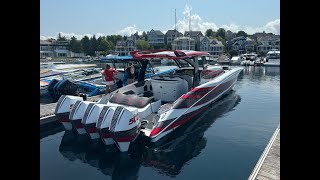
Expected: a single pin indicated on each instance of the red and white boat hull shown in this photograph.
(191, 104)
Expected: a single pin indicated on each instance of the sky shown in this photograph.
(125, 17)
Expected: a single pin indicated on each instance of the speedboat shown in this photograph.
(273, 58)
(156, 106)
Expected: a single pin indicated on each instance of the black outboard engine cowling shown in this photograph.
(52, 83)
(65, 87)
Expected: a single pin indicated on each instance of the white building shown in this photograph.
(183, 43)
(54, 49)
(46, 49)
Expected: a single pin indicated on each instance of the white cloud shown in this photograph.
(273, 26)
(128, 31)
(69, 35)
(197, 24)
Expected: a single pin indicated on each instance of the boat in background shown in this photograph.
(153, 107)
(235, 60)
(248, 59)
(272, 58)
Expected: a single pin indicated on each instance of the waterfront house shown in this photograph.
(123, 48)
(196, 36)
(46, 50)
(183, 43)
(242, 44)
(212, 46)
(266, 43)
(171, 35)
(54, 49)
(155, 37)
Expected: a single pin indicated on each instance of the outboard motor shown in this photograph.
(90, 119)
(103, 124)
(125, 126)
(52, 83)
(63, 108)
(77, 113)
(66, 87)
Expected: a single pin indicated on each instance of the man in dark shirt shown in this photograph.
(131, 74)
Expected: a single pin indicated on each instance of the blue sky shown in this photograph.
(105, 17)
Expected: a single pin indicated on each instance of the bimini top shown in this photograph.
(116, 57)
(176, 54)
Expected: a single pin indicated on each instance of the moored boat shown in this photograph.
(157, 106)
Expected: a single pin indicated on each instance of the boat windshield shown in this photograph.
(274, 56)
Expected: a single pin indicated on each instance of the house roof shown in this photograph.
(42, 42)
(215, 42)
(159, 33)
(193, 33)
(170, 32)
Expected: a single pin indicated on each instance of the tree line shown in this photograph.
(106, 44)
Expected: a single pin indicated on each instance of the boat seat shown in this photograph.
(131, 100)
(168, 89)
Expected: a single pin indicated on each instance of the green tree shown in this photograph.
(210, 33)
(233, 53)
(93, 45)
(242, 33)
(86, 45)
(61, 38)
(222, 33)
(104, 44)
(142, 45)
(50, 39)
(114, 38)
(125, 38)
(75, 45)
(144, 34)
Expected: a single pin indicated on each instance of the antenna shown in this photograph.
(189, 27)
(175, 19)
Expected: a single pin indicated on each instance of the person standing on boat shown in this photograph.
(108, 74)
(131, 73)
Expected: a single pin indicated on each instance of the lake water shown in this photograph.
(225, 143)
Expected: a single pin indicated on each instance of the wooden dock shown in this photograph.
(268, 166)
(47, 110)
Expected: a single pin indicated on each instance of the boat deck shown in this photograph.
(268, 166)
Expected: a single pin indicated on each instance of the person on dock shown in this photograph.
(108, 74)
(131, 73)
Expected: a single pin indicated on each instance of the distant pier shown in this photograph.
(47, 110)
(268, 166)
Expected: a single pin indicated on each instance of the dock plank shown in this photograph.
(268, 166)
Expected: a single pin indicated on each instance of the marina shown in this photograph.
(176, 91)
(239, 149)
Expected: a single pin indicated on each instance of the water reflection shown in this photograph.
(167, 158)
(260, 71)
